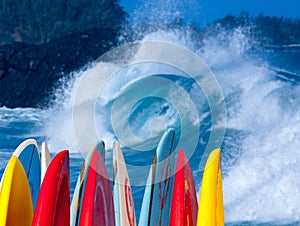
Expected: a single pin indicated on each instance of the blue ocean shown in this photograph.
(260, 149)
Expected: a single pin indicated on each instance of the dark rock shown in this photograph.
(29, 73)
(2, 72)
(33, 64)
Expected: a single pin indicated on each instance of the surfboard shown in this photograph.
(78, 194)
(144, 218)
(29, 155)
(157, 199)
(123, 201)
(211, 208)
(53, 204)
(45, 160)
(97, 203)
(184, 201)
(15, 198)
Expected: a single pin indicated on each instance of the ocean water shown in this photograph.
(260, 156)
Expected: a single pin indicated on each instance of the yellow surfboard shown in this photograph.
(211, 208)
(15, 198)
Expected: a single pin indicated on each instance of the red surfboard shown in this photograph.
(97, 205)
(53, 205)
(184, 201)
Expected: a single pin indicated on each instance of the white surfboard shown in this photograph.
(45, 160)
(123, 200)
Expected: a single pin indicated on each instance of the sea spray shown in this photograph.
(260, 157)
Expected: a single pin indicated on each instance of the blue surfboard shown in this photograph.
(29, 155)
(157, 199)
(81, 183)
(148, 194)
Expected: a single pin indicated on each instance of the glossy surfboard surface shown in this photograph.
(144, 218)
(184, 201)
(211, 208)
(15, 198)
(29, 155)
(53, 205)
(157, 199)
(123, 200)
(78, 194)
(97, 204)
(45, 160)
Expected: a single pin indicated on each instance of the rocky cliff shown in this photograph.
(29, 73)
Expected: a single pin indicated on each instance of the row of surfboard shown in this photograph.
(35, 190)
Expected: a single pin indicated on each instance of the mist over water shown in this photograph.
(260, 157)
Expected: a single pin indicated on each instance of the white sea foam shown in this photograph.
(262, 184)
